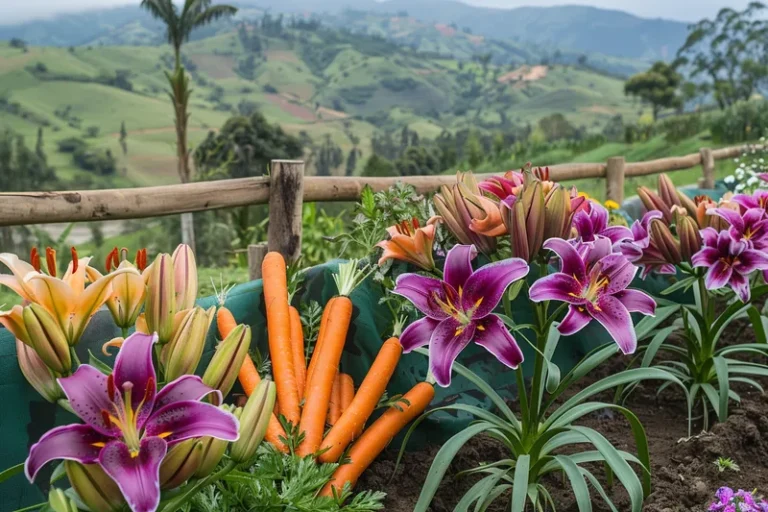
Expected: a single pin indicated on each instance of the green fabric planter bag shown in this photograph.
(27, 416)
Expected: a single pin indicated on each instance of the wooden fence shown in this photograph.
(287, 188)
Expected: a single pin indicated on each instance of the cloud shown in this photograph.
(22, 10)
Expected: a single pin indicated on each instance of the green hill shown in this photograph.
(316, 82)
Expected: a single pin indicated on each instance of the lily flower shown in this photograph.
(750, 227)
(459, 309)
(594, 281)
(758, 199)
(185, 277)
(730, 262)
(128, 289)
(457, 205)
(703, 205)
(593, 222)
(129, 426)
(642, 251)
(504, 186)
(411, 243)
(67, 299)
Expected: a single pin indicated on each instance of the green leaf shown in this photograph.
(98, 364)
(520, 485)
(599, 488)
(578, 483)
(442, 460)
(684, 283)
(645, 327)
(12, 471)
(757, 324)
(721, 369)
(755, 348)
(484, 387)
(476, 493)
(713, 397)
(616, 462)
(586, 365)
(653, 347)
(58, 473)
(553, 371)
(750, 382)
(743, 369)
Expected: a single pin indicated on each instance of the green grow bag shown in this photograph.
(27, 416)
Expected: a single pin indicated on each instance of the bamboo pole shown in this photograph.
(614, 179)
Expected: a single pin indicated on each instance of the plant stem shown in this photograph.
(538, 371)
(179, 501)
(125, 332)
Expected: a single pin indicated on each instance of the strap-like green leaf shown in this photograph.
(520, 486)
(757, 324)
(645, 327)
(750, 382)
(721, 369)
(443, 459)
(578, 483)
(553, 371)
(599, 488)
(12, 471)
(591, 361)
(98, 364)
(684, 283)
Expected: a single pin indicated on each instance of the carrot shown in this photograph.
(318, 395)
(353, 419)
(249, 378)
(279, 334)
(318, 344)
(347, 391)
(297, 346)
(378, 435)
(334, 408)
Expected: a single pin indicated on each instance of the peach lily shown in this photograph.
(411, 243)
(128, 291)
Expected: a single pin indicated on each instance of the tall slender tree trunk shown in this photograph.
(182, 151)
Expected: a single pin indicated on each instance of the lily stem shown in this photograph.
(125, 332)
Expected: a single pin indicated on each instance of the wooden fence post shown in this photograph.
(707, 168)
(614, 179)
(256, 253)
(286, 198)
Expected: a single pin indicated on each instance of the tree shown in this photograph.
(352, 161)
(39, 145)
(244, 147)
(556, 127)
(657, 87)
(329, 157)
(730, 53)
(473, 150)
(418, 161)
(179, 24)
(377, 166)
(123, 138)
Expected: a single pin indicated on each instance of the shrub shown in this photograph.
(70, 144)
(97, 161)
(745, 121)
(679, 128)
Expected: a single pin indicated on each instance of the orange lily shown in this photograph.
(411, 243)
(128, 290)
(67, 299)
(13, 320)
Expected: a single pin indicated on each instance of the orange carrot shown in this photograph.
(225, 322)
(378, 435)
(318, 344)
(248, 376)
(279, 334)
(297, 346)
(334, 408)
(347, 391)
(321, 380)
(353, 419)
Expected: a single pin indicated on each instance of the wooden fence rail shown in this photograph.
(287, 188)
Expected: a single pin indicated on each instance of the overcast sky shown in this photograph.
(12, 11)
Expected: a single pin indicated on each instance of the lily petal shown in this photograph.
(448, 340)
(186, 387)
(17, 282)
(184, 420)
(562, 287)
(718, 275)
(617, 233)
(637, 302)
(72, 442)
(612, 314)
(751, 260)
(137, 475)
(706, 257)
(55, 296)
(740, 285)
(87, 393)
(492, 335)
(458, 265)
(134, 364)
(575, 320)
(571, 263)
(422, 291)
(418, 334)
(620, 272)
(90, 300)
(485, 288)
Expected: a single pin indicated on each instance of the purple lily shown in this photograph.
(593, 222)
(758, 199)
(730, 262)
(129, 426)
(750, 227)
(641, 251)
(459, 308)
(594, 281)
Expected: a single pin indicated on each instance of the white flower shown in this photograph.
(739, 187)
(739, 173)
(752, 181)
(729, 179)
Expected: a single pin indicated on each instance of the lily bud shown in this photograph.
(127, 298)
(652, 201)
(254, 421)
(668, 246)
(690, 238)
(186, 346)
(668, 191)
(457, 206)
(213, 449)
(227, 360)
(47, 338)
(525, 221)
(60, 502)
(180, 463)
(185, 277)
(37, 373)
(13, 320)
(94, 486)
(161, 304)
(558, 215)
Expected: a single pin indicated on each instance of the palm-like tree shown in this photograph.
(179, 24)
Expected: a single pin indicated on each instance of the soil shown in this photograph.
(684, 476)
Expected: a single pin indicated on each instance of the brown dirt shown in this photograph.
(293, 109)
(524, 74)
(281, 56)
(684, 476)
(445, 30)
(327, 113)
(215, 66)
